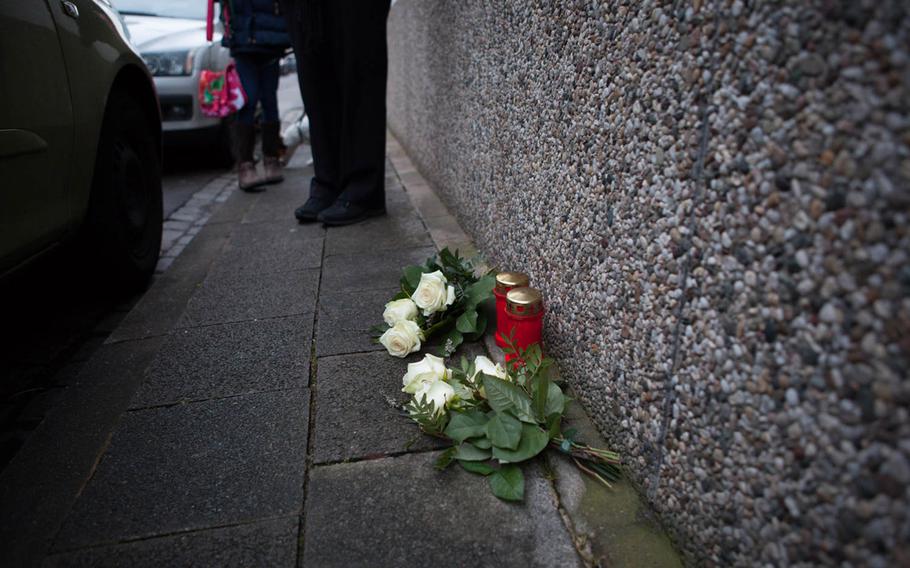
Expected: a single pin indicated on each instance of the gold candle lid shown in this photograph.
(505, 281)
(524, 301)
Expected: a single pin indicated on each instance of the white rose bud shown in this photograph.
(429, 370)
(484, 365)
(402, 338)
(439, 393)
(399, 310)
(432, 295)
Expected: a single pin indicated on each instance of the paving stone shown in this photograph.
(345, 319)
(278, 202)
(195, 466)
(355, 416)
(370, 270)
(265, 543)
(224, 298)
(39, 486)
(163, 304)
(403, 512)
(382, 233)
(283, 235)
(262, 259)
(230, 359)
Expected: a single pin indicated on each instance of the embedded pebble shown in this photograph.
(566, 138)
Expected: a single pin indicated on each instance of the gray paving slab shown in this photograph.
(403, 512)
(370, 270)
(229, 359)
(194, 466)
(39, 486)
(161, 307)
(382, 233)
(265, 543)
(285, 234)
(282, 257)
(233, 209)
(355, 416)
(345, 319)
(226, 298)
(278, 202)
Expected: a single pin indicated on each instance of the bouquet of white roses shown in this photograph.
(441, 296)
(498, 418)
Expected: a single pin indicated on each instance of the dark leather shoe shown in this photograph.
(344, 212)
(309, 211)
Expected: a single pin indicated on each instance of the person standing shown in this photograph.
(257, 35)
(342, 63)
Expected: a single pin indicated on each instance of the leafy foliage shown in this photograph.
(498, 422)
(464, 318)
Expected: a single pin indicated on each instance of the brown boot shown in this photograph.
(244, 139)
(271, 141)
(272, 167)
(248, 178)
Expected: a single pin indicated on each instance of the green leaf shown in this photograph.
(482, 443)
(508, 483)
(445, 458)
(467, 452)
(479, 291)
(533, 441)
(541, 391)
(479, 468)
(464, 425)
(504, 431)
(467, 322)
(556, 401)
(412, 276)
(503, 395)
(401, 296)
(554, 421)
(479, 328)
(450, 342)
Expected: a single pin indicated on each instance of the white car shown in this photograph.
(170, 36)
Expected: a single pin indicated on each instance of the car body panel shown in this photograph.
(92, 65)
(59, 97)
(36, 131)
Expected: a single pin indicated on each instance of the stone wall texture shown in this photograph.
(714, 198)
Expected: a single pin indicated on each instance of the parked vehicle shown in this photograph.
(80, 140)
(170, 35)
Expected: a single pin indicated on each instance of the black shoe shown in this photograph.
(344, 212)
(309, 211)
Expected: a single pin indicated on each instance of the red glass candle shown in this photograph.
(505, 281)
(524, 310)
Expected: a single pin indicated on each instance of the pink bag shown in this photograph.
(220, 92)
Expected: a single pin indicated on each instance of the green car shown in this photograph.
(80, 140)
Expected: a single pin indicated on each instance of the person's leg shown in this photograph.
(244, 132)
(269, 73)
(319, 89)
(361, 61)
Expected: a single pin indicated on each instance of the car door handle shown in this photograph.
(70, 9)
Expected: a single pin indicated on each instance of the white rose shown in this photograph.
(402, 338)
(429, 370)
(484, 365)
(399, 310)
(439, 393)
(432, 295)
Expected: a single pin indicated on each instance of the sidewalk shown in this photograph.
(240, 415)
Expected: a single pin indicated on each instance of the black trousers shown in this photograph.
(342, 64)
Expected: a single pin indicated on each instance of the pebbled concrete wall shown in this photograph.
(714, 197)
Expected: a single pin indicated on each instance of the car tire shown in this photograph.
(124, 219)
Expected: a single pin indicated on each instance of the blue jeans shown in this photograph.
(259, 75)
